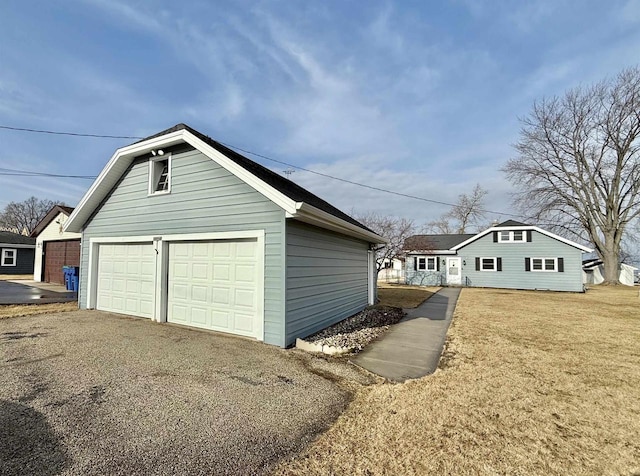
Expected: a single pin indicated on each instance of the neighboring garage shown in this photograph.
(55, 247)
(181, 229)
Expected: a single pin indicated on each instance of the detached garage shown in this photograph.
(179, 228)
(55, 247)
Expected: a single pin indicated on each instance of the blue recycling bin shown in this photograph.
(67, 270)
(71, 277)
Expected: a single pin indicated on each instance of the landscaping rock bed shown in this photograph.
(354, 333)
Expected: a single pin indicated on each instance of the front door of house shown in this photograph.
(454, 273)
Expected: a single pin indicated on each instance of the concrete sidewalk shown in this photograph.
(412, 348)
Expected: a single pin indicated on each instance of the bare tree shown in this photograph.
(22, 217)
(578, 165)
(468, 211)
(394, 229)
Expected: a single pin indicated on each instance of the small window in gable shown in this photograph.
(159, 175)
(8, 257)
(515, 236)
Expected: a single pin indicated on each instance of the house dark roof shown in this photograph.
(51, 214)
(283, 185)
(511, 223)
(9, 238)
(434, 242)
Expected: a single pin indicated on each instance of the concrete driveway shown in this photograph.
(89, 392)
(30, 292)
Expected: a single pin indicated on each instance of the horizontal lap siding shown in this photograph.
(326, 278)
(513, 274)
(204, 198)
(423, 277)
(24, 261)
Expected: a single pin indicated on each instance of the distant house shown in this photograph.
(55, 247)
(593, 272)
(509, 255)
(392, 270)
(16, 253)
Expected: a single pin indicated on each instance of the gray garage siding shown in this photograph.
(204, 198)
(326, 278)
(513, 274)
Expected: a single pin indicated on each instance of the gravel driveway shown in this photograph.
(90, 392)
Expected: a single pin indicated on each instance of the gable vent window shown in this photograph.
(516, 236)
(159, 175)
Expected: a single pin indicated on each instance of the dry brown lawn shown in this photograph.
(20, 310)
(15, 277)
(396, 295)
(531, 383)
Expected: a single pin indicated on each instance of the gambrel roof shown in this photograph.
(296, 201)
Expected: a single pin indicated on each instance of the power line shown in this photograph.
(76, 134)
(27, 173)
(351, 182)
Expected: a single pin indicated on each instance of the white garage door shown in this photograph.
(126, 278)
(214, 285)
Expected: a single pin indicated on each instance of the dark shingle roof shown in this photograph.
(434, 242)
(511, 223)
(7, 237)
(51, 214)
(283, 185)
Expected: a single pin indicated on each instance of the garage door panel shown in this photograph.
(222, 294)
(126, 278)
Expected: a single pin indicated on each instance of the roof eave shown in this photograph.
(314, 216)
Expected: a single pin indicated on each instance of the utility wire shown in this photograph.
(351, 182)
(39, 131)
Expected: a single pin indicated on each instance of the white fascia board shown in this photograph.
(15, 245)
(277, 197)
(314, 216)
(110, 175)
(523, 228)
(430, 252)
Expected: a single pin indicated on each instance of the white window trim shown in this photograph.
(5, 251)
(495, 263)
(555, 265)
(152, 161)
(511, 235)
(426, 263)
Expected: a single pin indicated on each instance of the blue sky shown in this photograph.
(417, 97)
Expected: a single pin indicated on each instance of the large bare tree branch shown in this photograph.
(578, 164)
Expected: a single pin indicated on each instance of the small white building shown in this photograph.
(392, 270)
(55, 248)
(593, 272)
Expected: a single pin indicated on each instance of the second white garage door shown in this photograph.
(214, 285)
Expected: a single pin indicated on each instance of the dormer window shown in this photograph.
(515, 236)
(160, 175)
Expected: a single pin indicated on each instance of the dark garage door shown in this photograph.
(58, 254)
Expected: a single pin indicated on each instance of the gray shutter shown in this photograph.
(499, 264)
(527, 264)
(477, 264)
(437, 263)
(495, 236)
(415, 263)
(529, 236)
(560, 265)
